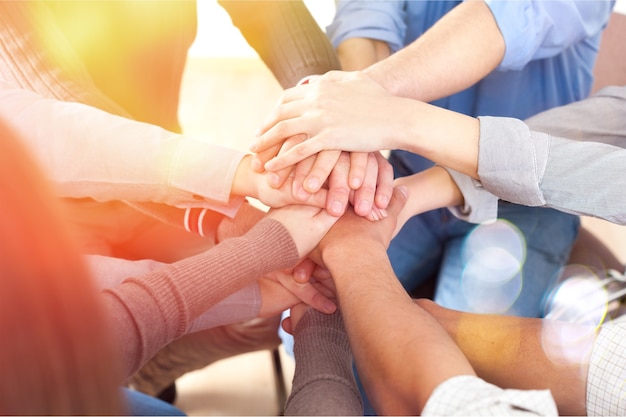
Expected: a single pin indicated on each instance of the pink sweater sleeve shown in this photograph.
(152, 310)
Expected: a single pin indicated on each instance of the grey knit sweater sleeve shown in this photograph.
(323, 382)
(152, 310)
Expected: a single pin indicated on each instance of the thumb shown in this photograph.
(398, 199)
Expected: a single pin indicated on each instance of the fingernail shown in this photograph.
(273, 179)
(300, 275)
(253, 147)
(329, 306)
(336, 207)
(355, 183)
(403, 190)
(383, 213)
(364, 206)
(269, 166)
(313, 184)
(383, 200)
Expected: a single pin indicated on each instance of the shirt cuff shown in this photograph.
(512, 160)
(206, 171)
(479, 206)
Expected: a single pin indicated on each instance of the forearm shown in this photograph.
(460, 49)
(359, 53)
(523, 353)
(151, 310)
(445, 137)
(383, 322)
(324, 382)
(428, 190)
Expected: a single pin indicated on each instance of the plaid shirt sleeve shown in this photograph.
(471, 396)
(606, 381)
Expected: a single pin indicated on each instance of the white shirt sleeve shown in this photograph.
(87, 152)
(471, 396)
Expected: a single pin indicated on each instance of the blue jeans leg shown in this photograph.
(140, 404)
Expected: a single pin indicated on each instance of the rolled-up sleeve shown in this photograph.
(537, 169)
(479, 205)
(511, 160)
(542, 29)
(380, 20)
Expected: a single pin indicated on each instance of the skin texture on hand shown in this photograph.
(250, 183)
(351, 112)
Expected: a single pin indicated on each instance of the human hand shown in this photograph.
(369, 190)
(363, 179)
(351, 228)
(279, 291)
(337, 111)
(306, 225)
(263, 186)
(295, 314)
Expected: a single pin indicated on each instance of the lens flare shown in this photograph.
(493, 256)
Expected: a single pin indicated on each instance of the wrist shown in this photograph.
(336, 252)
(244, 180)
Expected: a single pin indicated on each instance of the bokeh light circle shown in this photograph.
(493, 256)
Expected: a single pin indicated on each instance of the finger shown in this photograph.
(273, 129)
(384, 184)
(277, 178)
(301, 170)
(259, 159)
(398, 199)
(358, 165)
(325, 286)
(318, 174)
(321, 273)
(304, 270)
(287, 325)
(308, 294)
(338, 190)
(364, 195)
(312, 146)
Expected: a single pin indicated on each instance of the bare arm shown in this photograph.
(460, 49)
(524, 353)
(359, 53)
(383, 322)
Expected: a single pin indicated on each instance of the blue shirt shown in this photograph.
(551, 48)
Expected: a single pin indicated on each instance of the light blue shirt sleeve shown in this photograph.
(543, 29)
(380, 20)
